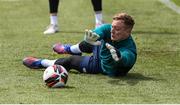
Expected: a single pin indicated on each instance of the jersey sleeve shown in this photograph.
(103, 31)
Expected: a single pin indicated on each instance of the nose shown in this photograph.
(112, 30)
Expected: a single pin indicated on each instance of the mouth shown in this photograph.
(112, 35)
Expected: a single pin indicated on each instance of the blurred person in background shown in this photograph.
(53, 7)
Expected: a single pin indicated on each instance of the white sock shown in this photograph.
(75, 48)
(47, 63)
(53, 20)
(98, 17)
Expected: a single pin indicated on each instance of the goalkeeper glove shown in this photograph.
(116, 55)
(91, 37)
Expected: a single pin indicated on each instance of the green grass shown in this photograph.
(177, 2)
(154, 79)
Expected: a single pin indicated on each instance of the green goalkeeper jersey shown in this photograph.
(126, 48)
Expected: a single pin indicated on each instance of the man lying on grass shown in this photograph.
(112, 47)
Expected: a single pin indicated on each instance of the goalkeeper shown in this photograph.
(112, 47)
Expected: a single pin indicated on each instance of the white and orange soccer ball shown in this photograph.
(55, 76)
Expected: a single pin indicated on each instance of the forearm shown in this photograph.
(128, 58)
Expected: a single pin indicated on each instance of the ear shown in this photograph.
(128, 30)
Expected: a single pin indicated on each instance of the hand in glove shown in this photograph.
(116, 55)
(91, 37)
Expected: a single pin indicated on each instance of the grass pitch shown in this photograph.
(154, 78)
(177, 2)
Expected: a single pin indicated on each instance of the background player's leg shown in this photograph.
(97, 6)
(53, 10)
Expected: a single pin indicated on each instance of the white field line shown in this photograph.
(171, 5)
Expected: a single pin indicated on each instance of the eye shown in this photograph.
(116, 28)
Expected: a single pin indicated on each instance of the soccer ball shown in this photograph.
(55, 76)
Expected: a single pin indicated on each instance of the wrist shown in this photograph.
(118, 53)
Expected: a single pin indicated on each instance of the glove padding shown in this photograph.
(115, 54)
(91, 37)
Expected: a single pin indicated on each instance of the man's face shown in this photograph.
(119, 31)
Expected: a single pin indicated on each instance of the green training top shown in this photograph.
(127, 49)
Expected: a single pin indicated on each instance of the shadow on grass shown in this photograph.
(136, 32)
(155, 33)
(65, 87)
(71, 31)
(131, 79)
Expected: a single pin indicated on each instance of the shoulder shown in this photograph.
(103, 31)
(106, 26)
(103, 27)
